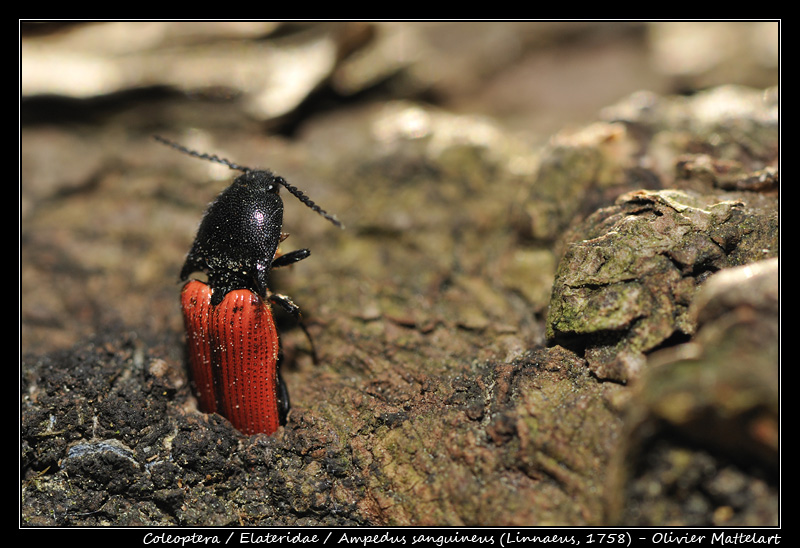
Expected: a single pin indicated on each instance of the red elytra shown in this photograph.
(233, 353)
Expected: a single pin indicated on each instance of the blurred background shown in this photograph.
(106, 215)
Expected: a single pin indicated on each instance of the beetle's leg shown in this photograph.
(283, 396)
(288, 306)
(290, 258)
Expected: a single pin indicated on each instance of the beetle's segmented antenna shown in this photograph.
(296, 192)
(201, 155)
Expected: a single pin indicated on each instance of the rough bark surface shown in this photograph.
(507, 333)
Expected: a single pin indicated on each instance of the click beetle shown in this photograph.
(232, 341)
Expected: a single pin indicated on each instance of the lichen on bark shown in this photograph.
(630, 271)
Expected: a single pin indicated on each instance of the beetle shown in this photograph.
(232, 340)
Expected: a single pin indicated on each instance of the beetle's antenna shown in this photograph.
(296, 192)
(307, 201)
(201, 155)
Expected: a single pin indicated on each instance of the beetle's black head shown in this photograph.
(241, 230)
